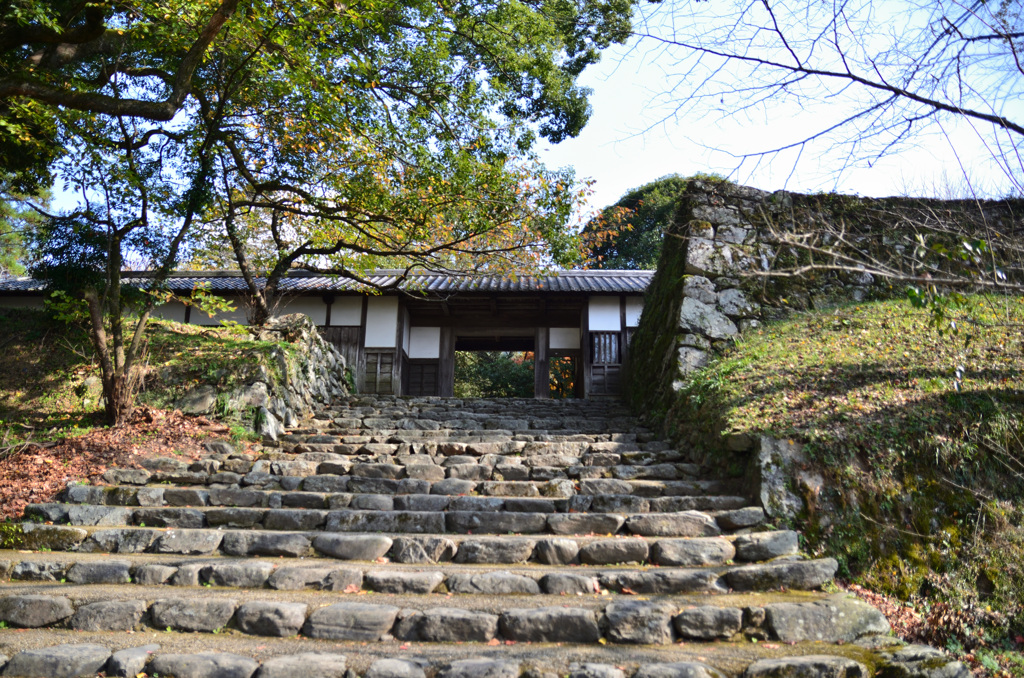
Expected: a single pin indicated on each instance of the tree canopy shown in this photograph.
(634, 225)
(320, 134)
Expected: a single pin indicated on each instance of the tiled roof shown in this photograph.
(586, 282)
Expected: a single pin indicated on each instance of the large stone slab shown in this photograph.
(640, 622)
(612, 551)
(351, 621)
(678, 670)
(153, 575)
(34, 611)
(124, 540)
(585, 523)
(53, 537)
(452, 625)
(271, 618)
(288, 544)
(568, 583)
(708, 622)
(557, 551)
(550, 625)
(61, 661)
(203, 665)
(803, 575)
(304, 665)
(100, 572)
(703, 319)
(244, 574)
(109, 615)
(683, 524)
(492, 583)
(697, 552)
(494, 522)
(182, 518)
(838, 619)
(408, 522)
(192, 614)
(396, 668)
(590, 670)
(352, 547)
(809, 666)
(189, 542)
(294, 578)
(766, 545)
(494, 550)
(130, 662)
(481, 668)
(235, 517)
(400, 581)
(422, 549)
(664, 581)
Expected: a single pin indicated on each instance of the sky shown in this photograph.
(636, 135)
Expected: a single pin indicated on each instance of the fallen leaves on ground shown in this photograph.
(906, 623)
(35, 473)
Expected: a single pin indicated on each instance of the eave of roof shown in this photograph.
(302, 282)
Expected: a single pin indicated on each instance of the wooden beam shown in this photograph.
(541, 369)
(446, 364)
(585, 350)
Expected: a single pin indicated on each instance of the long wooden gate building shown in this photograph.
(403, 340)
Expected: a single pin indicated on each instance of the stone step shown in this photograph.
(428, 479)
(385, 494)
(333, 562)
(464, 515)
(374, 617)
(416, 549)
(389, 442)
(56, 654)
(414, 466)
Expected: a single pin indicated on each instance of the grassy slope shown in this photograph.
(926, 471)
(44, 367)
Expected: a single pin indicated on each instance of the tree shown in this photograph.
(872, 78)
(323, 135)
(17, 219)
(493, 374)
(635, 225)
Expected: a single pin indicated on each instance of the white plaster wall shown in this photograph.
(381, 322)
(634, 306)
(21, 302)
(314, 307)
(425, 343)
(238, 315)
(174, 310)
(564, 338)
(347, 311)
(604, 314)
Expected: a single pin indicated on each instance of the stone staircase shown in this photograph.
(430, 537)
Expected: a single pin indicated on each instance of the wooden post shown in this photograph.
(541, 371)
(446, 364)
(585, 347)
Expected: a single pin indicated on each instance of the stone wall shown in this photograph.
(296, 378)
(728, 264)
(747, 255)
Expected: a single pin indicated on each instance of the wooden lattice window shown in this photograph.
(378, 376)
(605, 349)
(422, 379)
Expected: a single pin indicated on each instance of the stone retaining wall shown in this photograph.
(288, 390)
(727, 265)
